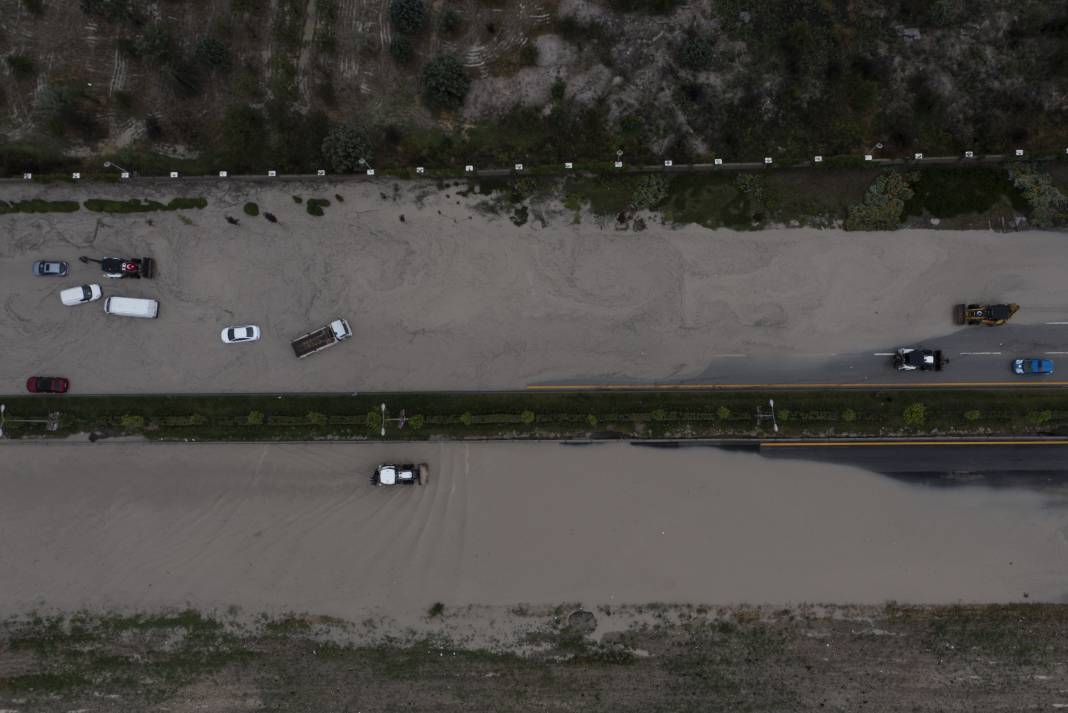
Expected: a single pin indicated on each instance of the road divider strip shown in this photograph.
(794, 386)
(893, 444)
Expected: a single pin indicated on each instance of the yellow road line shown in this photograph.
(772, 387)
(823, 444)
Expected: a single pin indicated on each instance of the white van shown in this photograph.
(132, 307)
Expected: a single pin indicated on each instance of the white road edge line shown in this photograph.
(727, 356)
(883, 354)
(980, 353)
(1056, 322)
(1056, 352)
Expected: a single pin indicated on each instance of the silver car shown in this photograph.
(50, 268)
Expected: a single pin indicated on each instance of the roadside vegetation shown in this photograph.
(657, 657)
(606, 415)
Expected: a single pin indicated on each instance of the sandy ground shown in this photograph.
(292, 527)
(452, 298)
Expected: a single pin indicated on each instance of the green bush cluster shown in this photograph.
(37, 205)
(315, 206)
(251, 209)
(136, 205)
(444, 83)
(650, 192)
(344, 146)
(1049, 207)
(884, 203)
(915, 415)
(407, 16)
(696, 52)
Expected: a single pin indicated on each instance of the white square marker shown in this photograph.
(223, 174)
(818, 159)
(618, 164)
(867, 157)
(75, 175)
(320, 172)
(918, 156)
(767, 160)
(28, 176)
(568, 165)
(969, 154)
(469, 168)
(370, 172)
(272, 174)
(420, 170)
(1019, 152)
(519, 167)
(717, 161)
(668, 163)
(124, 174)
(174, 174)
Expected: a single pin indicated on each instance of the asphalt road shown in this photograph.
(976, 462)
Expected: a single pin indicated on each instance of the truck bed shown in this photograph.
(313, 341)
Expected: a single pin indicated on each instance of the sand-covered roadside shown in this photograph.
(292, 527)
(453, 298)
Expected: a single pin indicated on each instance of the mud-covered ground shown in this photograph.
(443, 296)
(675, 658)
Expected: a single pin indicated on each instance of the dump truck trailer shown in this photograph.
(321, 338)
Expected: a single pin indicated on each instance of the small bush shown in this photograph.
(198, 420)
(213, 53)
(659, 414)
(22, 66)
(915, 416)
(316, 205)
(401, 49)
(972, 415)
(696, 52)
(445, 83)
(317, 419)
(251, 209)
(650, 192)
(884, 203)
(1040, 417)
(784, 414)
(407, 16)
(1049, 207)
(417, 422)
(529, 54)
(131, 422)
(558, 89)
(254, 418)
(592, 420)
(450, 21)
(436, 610)
(466, 418)
(344, 146)
(374, 420)
(849, 415)
(526, 417)
(298, 200)
(723, 412)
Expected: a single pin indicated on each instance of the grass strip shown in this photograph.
(38, 206)
(137, 205)
(548, 415)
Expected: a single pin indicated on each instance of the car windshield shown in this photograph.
(231, 333)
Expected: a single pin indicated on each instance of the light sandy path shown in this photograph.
(280, 527)
(453, 299)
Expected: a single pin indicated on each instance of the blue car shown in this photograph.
(1033, 366)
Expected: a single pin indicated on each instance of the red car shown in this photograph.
(47, 385)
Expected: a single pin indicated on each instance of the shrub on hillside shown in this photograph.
(401, 49)
(696, 52)
(884, 203)
(445, 83)
(407, 16)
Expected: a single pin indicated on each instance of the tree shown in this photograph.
(242, 137)
(402, 49)
(344, 146)
(407, 16)
(696, 52)
(445, 83)
(450, 21)
(212, 52)
(915, 415)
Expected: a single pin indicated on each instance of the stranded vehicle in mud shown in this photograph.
(919, 359)
(988, 315)
(401, 474)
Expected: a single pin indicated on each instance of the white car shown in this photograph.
(237, 335)
(79, 295)
(409, 474)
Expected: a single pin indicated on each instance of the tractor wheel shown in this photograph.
(424, 474)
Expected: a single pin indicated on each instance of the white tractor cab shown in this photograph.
(79, 295)
(401, 475)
